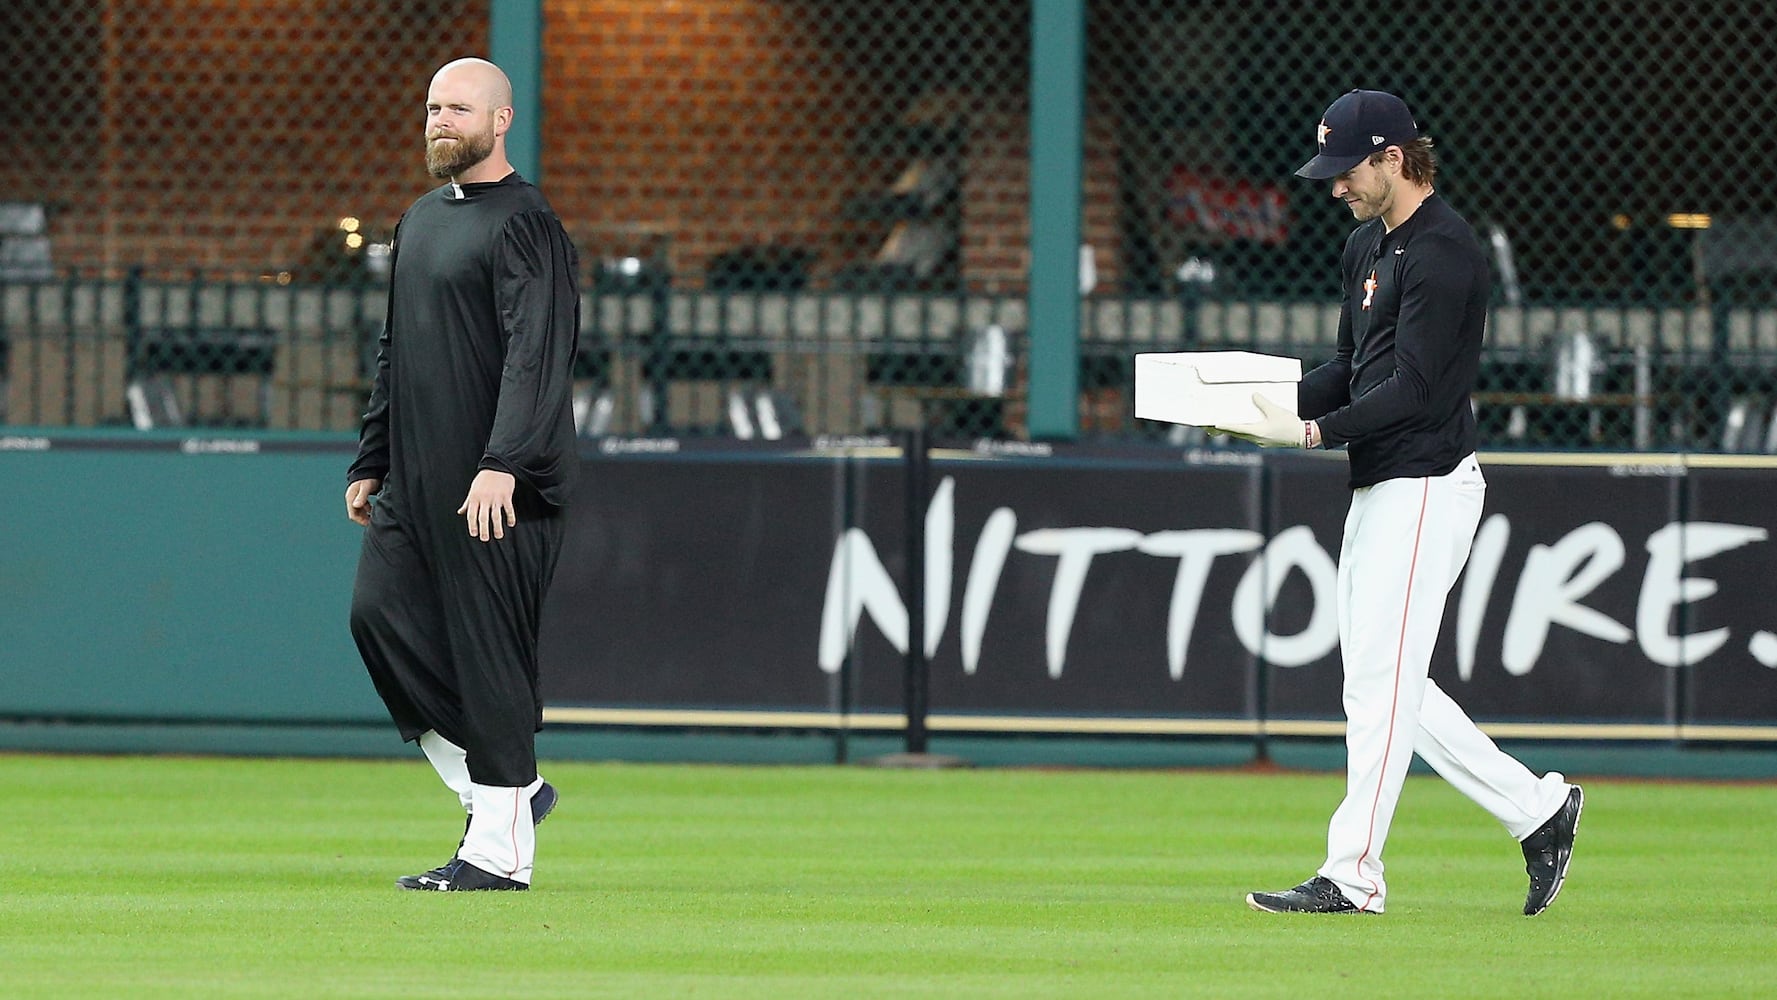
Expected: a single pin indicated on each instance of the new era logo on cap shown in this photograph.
(1356, 125)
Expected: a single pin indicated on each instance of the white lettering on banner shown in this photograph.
(984, 578)
(1195, 550)
(1663, 589)
(1076, 547)
(1763, 648)
(1293, 548)
(856, 582)
(1555, 577)
(1488, 551)
(940, 530)
(1551, 588)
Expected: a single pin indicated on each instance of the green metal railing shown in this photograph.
(209, 351)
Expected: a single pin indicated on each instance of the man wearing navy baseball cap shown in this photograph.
(1396, 393)
(1356, 127)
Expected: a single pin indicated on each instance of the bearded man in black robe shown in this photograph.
(468, 449)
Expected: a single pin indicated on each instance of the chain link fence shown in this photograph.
(819, 206)
(197, 192)
(814, 217)
(1607, 153)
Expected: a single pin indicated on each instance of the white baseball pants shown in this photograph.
(501, 837)
(1405, 543)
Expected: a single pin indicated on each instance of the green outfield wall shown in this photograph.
(178, 579)
(172, 593)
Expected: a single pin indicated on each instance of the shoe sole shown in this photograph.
(1561, 876)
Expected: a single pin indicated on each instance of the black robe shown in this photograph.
(475, 372)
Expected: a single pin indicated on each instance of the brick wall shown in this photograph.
(701, 124)
(996, 201)
(228, 134)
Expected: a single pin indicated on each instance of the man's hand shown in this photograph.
(488, 508)
(358, 497)
(1279, 429)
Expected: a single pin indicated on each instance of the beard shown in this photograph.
(445, 160)
(1368, 205)
(1362, 210)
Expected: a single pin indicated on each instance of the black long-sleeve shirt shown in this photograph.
(1410, 330)
(476, 362)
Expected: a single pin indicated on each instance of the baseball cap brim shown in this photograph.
(1324, 167)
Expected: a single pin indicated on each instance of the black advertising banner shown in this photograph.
(693, 579)
(1056, 585)
(1140, 585)
(1077, 583)
(1720, 568)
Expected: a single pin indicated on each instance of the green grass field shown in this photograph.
(174, 877)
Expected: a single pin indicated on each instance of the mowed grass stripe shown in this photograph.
(163, 877)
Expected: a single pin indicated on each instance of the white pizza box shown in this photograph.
(1212, 388)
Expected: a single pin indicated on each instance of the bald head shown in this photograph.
(480, 77)
(468, 110)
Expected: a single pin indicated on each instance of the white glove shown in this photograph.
(1279, 429)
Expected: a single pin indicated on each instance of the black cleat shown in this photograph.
(460, 876)
(1317, 895)
(542, 804)
(425, 880)
(1547, 852)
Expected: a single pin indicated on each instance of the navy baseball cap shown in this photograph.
(1356, 125)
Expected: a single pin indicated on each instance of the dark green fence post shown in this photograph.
(659, 353)
(1057, 111)
(515, 43)
(132, 322)
(917, 671)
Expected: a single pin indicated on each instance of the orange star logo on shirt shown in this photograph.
(1369, 289)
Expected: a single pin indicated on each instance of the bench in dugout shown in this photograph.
(207, 377)
(729, 368)
(932, 376)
